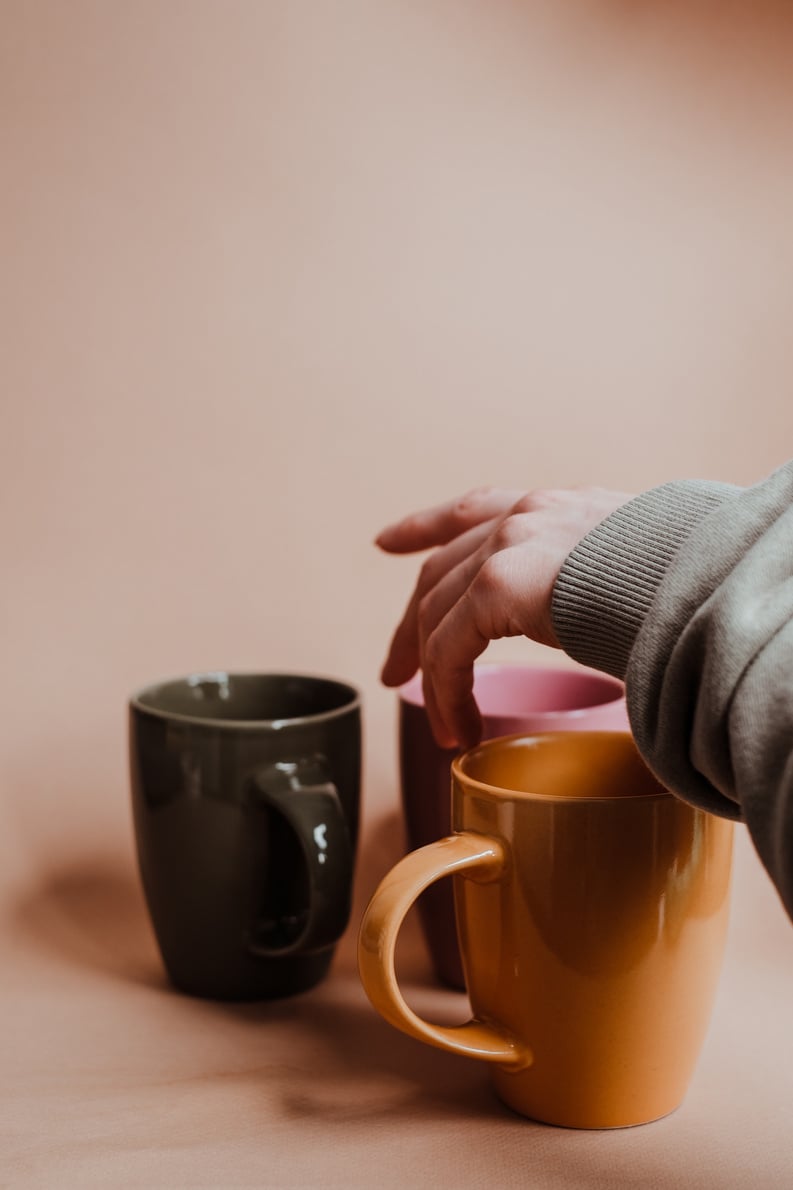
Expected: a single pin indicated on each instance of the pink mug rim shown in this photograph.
(411, 691)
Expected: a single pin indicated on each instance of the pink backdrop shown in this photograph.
(273, 274)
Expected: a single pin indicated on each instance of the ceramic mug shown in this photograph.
(245, 795)
(511, 698)
(592, 908)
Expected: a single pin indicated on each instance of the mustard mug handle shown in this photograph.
(482, 859)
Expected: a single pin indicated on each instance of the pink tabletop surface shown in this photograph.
(109, 1078)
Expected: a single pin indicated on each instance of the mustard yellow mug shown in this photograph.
(591, 910)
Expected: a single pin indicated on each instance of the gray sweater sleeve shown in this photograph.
(686, 592)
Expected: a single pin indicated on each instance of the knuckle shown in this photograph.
(493, 575)
(467, 505)
(537, 500)
(508, 534)
(481, 492)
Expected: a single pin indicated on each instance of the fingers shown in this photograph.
(493, 576)
(437, 526)
(487, 609)
(404, 654)
(504, 589)
(465, 718)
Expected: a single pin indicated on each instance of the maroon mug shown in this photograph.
(511, 699)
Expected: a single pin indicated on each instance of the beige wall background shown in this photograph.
(275, 273)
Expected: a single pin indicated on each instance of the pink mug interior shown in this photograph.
(513, 698)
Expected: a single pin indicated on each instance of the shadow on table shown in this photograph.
(91, 913)
(345, 1063)
(348, 1065)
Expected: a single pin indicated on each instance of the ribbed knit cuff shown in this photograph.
(606, 585)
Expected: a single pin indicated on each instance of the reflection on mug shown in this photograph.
(245, 793)
(511, 698)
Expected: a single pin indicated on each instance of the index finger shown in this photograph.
(441, 524)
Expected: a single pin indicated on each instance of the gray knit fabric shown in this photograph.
(607, 584)
(687, 593)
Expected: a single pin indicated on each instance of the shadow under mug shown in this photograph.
(511, 699)
(592, 907)
(245, 796)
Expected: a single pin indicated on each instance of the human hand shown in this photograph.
(499, 554)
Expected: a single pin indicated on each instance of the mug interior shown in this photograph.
(247, 698)
(504, 691)
(592, 765)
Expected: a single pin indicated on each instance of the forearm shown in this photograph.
(687, 593)
(608, 583)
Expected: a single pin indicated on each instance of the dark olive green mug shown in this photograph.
(245, 795)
